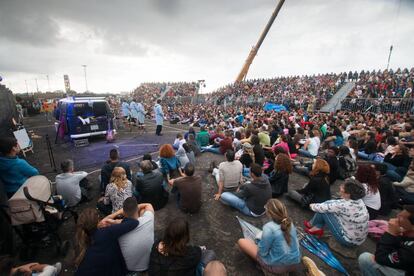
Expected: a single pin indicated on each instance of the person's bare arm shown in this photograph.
(220, 190)
(143, 207)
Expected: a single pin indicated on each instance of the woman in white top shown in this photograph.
(311, 147)
(366, 174)
(347, 218)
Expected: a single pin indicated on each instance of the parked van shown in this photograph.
(82, 117)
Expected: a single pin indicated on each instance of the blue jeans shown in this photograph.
(235, 202)
(209, 149)
(363, 155)
(305, 153)
(321, 219)
(246, 172)
(369, 267)
(392, 172)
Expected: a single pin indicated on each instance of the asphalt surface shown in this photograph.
(215, 226)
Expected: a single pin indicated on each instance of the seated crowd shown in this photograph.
(369, 157)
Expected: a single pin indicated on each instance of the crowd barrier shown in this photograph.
(402, 105)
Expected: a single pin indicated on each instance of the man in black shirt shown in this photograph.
(109, 166)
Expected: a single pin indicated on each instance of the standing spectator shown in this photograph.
(13, 170)
(250, 198)
(68, 184)
(159, 117)
(188, 190)
(277, 251)
(107, 169)
(367, 175)
(149, 186)
(97, 251)
(116, 192)
(135, 245)
(229, 174)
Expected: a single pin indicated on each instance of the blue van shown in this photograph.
(82, 117)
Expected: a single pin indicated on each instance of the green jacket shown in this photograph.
(203, 138)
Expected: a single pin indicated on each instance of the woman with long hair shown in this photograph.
(277, 250)
(279, 177)
(170, 165)
(347, 218)
(318, 189)
(397, 161)
(116, 192)
(97, 250)
(367, 175)
(173, 255)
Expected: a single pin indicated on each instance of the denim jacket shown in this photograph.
(273, 248)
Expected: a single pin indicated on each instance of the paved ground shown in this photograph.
(215, 226)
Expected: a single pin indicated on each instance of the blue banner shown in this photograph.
(274, 107)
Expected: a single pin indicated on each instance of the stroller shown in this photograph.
(36, 216)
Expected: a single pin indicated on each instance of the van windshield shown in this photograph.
(90, 109)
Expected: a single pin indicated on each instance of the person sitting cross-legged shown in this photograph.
(277, 250)
(149, 186)
(188, 190)
(229, 174)
(250, 198)
(135, 245)
(68, 184)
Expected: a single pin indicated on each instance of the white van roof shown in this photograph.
(82, 99)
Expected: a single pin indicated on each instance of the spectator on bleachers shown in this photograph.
(318, 189)
(394, 252)
(367, 175)
(97, 251)
(119, 188)
(277, 250)
(149, 186)
(71, 185)
(106, 170)
(173, 255)
(135, 245)
(250, 198)
(188, 190)
(229, 175)
(14, 171)
(169, 164)
(279, 177)
(347, 218)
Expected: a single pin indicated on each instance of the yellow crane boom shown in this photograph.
(243, 73)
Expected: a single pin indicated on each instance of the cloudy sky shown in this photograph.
(124, 43)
